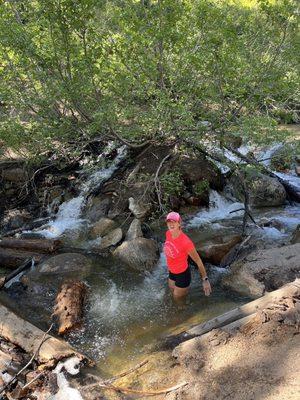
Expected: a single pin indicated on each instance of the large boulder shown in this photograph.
(101, 228)
(66, 263)
(214, 253)
(140, 254)
(195, 170)
(264, 270)
(111, 239)
(97, 207)
(264, 191)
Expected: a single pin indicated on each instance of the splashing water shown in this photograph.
(68, 215)
(219, 209)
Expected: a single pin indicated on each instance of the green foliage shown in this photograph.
(172, 184)
(201, 187)
(73, 70)
(284, 157)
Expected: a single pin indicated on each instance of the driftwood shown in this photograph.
(29, 362)
(233, 318)
(69, 305)
(27, 264)
(35, 245)
(252, 307)
(27, 336)
(11, 258)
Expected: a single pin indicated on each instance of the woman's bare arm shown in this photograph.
(195, 257)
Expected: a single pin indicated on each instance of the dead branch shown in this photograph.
(29, 362)
(27, 264)
(129, 144)
(157, 182)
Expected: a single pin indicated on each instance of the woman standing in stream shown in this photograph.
(178, 246)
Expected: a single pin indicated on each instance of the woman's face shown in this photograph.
(173, 225)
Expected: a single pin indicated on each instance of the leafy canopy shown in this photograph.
(139, 70)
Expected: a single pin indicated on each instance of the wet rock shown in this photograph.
(65, 263)
(296, 235)
(264, 191)
(214, 253)
(140, 254)
(101, 228)
(111, 239)
(272, 223)
(135, 230)
(14, 219)
(264, 270)
(139, 210)
(15, 175)
(297, 170)
(97, 207)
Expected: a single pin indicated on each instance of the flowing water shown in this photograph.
(128, 312)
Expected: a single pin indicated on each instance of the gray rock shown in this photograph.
(264, 191)
(111, 239)
(140, 254)
(101, 228)
(137, 209)
(296, 235)
(65, 263)
(264, 270)
(97, 208)
(135, 230)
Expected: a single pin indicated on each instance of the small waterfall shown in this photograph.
(68, 215)
(219, 209)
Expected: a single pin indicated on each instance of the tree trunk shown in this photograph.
(69, 305)
(27, 336)
(229, 317)
(38, 245)
(233, 318)
(11, 258)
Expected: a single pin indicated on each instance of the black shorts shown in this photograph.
(182, 280)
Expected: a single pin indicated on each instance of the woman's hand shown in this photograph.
(206, 287)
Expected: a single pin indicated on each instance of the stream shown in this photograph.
(127, 312)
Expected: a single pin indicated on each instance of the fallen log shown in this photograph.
(35, 245)
(27, 264)
(11, 258)
(27, 336)
(232, 318)
(252, 307)
(69, 305)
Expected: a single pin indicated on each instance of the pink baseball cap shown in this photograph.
(173, 216)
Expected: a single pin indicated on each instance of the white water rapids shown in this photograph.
(69, 212)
